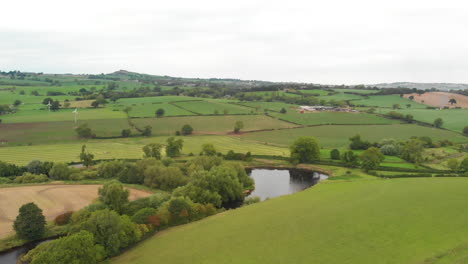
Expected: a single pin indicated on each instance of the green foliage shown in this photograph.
(147, 131)
(350, 159)
(142, 215)
(61, 171)
(238, 126)
(160, 112)
(164, 178)
(357, 143)
(438, 122)
(31, 178)
(204, 163)
(252, 200)
(186, 130)
(465, 131)
(371, 159)
(208, 149)
(85, 157)
(464, 165)
(112, 231)
(39, 167)
(30, 222)
(126, 133)
(114, 195)
(153, 201)
(78, 248)
(305, 150)
(153, 150)
(84, 131)
(453, 164)
(283, 110)
(390, 149)
(110, 169)
(335, 154)
(173, 147)
(412, 151)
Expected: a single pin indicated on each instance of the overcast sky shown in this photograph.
(325, 41)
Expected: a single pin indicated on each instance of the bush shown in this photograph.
(126, 132)
(114, 195)
(61, 171)
(31, 178)
(208, 149)
(39, 167)
(252, 200)
(30, 222)
(84, 131)
(154, 201)
(390, 149)
(143, 215)
(164, 178)
(110, 169)
(186, 130)
(305, 150)
(63, 219)
(357, 143)
(335, 154)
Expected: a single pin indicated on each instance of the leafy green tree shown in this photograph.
(126, 132)
(396, 106)
(438, 122)
(186, 130)
(142, 216)
(47, 100)
(464, 165)
(160, 112)
(147, 131)
(283, 111)
(61, 171)
(17, 103)
(112, 231)
(174, 146)
(335, 154)
(412, 151)
(85, 157)
(208, 149)
(78, 248)
(110, 169)
(453, 101)
(55, 106)
(30, 222)
(371, 158)
(114, 195)
(465, 131)
(305, 150)
(350, 159)
(357, 143)
(84, 131)
(238, 126)
(153, 150)
(164, 178)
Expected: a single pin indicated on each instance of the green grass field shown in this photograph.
(341, 97)
(208, 107)
(270, 106)
(364, 222)
(210, 124)
(388, 101)
(454, 119)
(321, 118)
(356, 91)
(337, 136)
(31, 116)
(315, 91)
(129, 148)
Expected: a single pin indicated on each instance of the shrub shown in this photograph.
(186, 130)
(84, 131)
(30, 222)
(357, 143)
(142, 215)
(390, 149)
(63, 219)
(335, 154)
(465, 131)
(208, 149)
(31, 178)
(126, 132)
(252, 200)
(61, 171)
(164, 178)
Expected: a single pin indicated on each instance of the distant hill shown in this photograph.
(423, 86)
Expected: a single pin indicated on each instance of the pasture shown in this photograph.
(332, 136)
(52, 199)
(31, 116)
(269, 106)
(324, 118)
(454, 119)
(130, 148)
(387, 101)
(210, 107)
(399, 221)
(210, 124)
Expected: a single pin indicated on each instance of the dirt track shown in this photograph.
(440, 99)
(52, 199)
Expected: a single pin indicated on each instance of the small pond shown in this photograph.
(13, 255)
(270, 183)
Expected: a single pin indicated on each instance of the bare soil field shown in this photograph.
(440, 99)
(52, 199)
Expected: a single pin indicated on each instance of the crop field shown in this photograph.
(454, 119)
(337, 136)
(363, 221)
(316, 91)
(388, 101)
(147, 106)
(210, 124)
(323, 118)
(31, 116)
(8, 98)
(341, 97)
(209, 107)
(130, 148)
(270, 106)
(273, 93)
(53, 132)
(359, 91)
(52, 199)
(441, 99)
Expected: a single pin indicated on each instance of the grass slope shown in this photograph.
(403, 221)
(338, 136)
(323, 118)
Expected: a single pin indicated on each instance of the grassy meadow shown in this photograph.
(365, 221)
(337, 118)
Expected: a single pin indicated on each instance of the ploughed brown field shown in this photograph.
(440, 99)
(52, 199)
